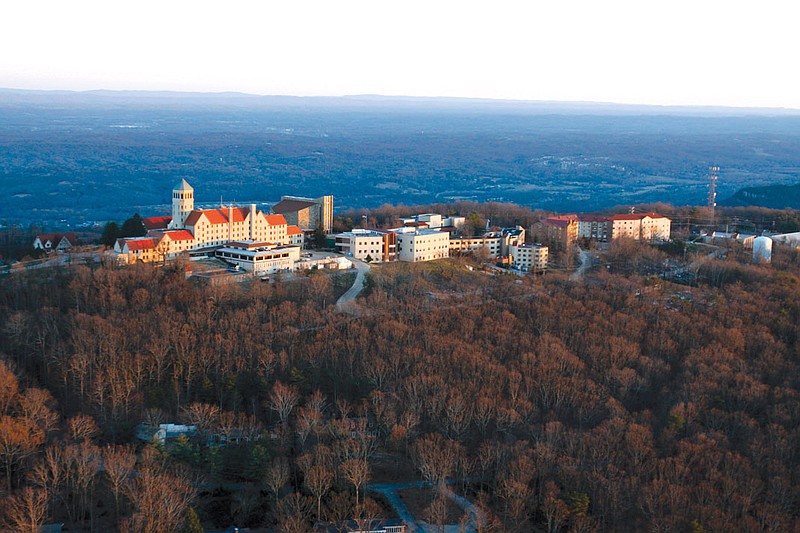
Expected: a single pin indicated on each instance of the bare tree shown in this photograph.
(436, 457)
(9, 388)
(319, 481)
(282, 399)
(50, 473)
(85, 463)
(160, 498)
(309, 419)
(82, 428)
(118, 463)
(295, 510)
(36, 405)
(202, 415)
(26, 510)
(19, 438)
(356, 471)
(277, 476)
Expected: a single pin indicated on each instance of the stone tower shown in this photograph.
(182, 204)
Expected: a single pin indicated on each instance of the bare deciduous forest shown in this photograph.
(617, 403)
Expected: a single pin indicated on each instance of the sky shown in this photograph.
(677, 52)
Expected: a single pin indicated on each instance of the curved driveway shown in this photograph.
(390, 491)
(345, 301)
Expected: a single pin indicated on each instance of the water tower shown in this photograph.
(762, 250)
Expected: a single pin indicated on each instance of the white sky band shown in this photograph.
(668, 53)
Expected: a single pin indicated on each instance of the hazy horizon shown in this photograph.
(397, 98)
(683, 53)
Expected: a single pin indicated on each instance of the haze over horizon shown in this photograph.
(620, 52)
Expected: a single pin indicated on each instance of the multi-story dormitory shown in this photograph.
(190, 229)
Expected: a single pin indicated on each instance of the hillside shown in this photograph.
(606, 404)
(772, 196)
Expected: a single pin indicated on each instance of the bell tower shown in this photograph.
(182, 204)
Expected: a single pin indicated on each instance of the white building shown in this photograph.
(496, 243)
(788, 239)
(640, 226)
(415, 244)
(260, 257)
(529, 257)
(434, 221)
(491, 242)
(295, 235)
(367, 244)
(60, 242)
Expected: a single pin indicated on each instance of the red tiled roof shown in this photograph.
(179, 235)
(275, 220)
(290, 206)
(557, 221)
(157, 222)
(140, 244)
(217, 216)
(292, 230)
(55, 238)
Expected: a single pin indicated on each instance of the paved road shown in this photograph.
(586, 262)
(390, 491)
(346, 303)
(56, 260)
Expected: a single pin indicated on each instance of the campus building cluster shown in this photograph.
(264, 243)
(429, 237)
(256, 241)
(563, 231)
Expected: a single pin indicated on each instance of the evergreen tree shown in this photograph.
(192, 524)
(133, 227)
(319, 238)
(110, 234)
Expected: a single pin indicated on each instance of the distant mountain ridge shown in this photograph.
(772, 196)
(98, 96)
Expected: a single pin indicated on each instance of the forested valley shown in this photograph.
(612, 403)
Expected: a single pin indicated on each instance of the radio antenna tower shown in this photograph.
(712, 192)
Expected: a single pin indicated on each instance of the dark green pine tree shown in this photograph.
(110, 233)
(133, 227)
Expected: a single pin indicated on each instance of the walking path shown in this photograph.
(345, 303)
(586, 261)
(390, 491)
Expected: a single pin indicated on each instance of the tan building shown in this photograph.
(191, 229)
(640, 226)
(560, 232)
(171, 243)
(529, 257)
(365, 243)
(215, 227)
(307, 213)
(415, 244)
(136, 249)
